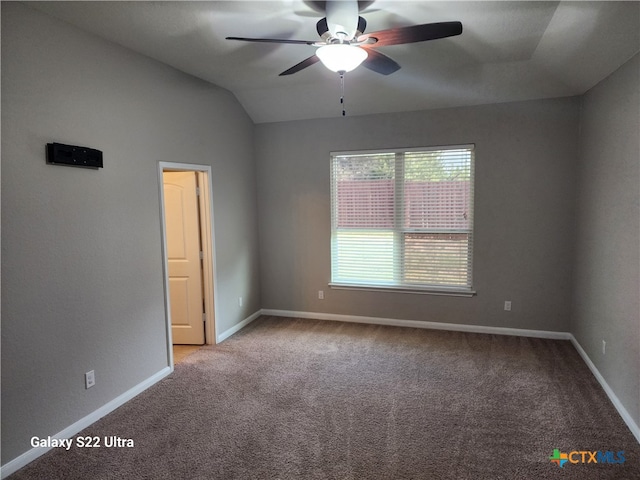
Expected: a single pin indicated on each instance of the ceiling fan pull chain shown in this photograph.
(344, 113)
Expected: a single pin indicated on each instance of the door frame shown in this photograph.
(207, 237)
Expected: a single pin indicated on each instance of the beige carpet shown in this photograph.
(180, 352)
(304, 399)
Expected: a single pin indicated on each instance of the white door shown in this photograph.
(183, 257)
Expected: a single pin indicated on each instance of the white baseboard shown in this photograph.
(30, 455)
(420, 324)
(236, 328)
(612, 396)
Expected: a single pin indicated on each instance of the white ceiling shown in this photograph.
(508, 51)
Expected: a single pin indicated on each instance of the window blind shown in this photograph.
(403, 218)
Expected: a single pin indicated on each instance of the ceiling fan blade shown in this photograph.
(380, 63)
(303, 64)
(273, 40)
(414, 33)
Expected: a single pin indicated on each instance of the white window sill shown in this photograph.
(452, 292)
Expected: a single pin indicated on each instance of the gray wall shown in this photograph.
(81, 249)
(607, 265)
(526, 156)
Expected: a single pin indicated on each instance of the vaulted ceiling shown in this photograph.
(508, 51)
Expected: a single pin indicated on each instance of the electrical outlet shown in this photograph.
(89, 379)
(604, 347)
(239, 301)
(321, 294)
(507, 305)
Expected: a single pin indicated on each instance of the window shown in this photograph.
(403, 219)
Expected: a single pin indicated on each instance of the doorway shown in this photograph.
(188, 253)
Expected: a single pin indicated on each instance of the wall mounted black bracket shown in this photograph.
(72, 155)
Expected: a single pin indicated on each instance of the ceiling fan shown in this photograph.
(343, 45)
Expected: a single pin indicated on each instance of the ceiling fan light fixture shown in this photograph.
(341, 57)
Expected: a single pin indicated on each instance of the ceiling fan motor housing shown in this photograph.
(342, 19)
